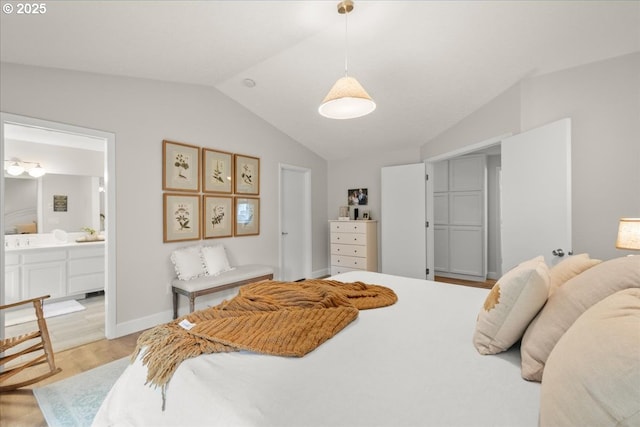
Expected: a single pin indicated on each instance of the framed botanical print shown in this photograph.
(180, 166)
(247, 216)
(217, 216)
(247, 175)
(181, 217)
(217, 167)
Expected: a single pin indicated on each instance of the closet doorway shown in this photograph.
(534, 207)
(466, 216)
(61, 143)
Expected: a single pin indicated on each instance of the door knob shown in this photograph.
(284, 233)
(558, 252)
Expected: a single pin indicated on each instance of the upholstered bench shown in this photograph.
(204, 285)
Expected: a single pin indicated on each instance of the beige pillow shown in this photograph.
(592, 376)
(567, 304)
(514, 300)
(569, 268)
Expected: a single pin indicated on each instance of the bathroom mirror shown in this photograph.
(54, 201)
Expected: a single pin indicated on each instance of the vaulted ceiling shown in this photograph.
(427, 64)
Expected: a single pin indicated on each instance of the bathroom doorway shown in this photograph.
(85, 159)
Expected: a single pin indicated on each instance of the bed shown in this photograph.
(409, 364)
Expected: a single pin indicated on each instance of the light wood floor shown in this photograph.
(20, 409)
(73, 329)
(487, 284)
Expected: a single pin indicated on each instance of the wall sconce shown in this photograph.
(628, 234)
(16, 167)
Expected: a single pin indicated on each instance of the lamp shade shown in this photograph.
(347, 99)
(15, 169)
(37, 172)
(628, 234)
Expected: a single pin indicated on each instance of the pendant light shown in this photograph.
(347, 99)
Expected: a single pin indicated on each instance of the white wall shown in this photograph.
(363, 172)
(141, 113)
(603, 100)
(79, 193)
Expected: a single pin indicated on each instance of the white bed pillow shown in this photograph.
(188, 262)
(514, 300)
(568, 303)
(592, 376)
(215, 260)
(569, 268)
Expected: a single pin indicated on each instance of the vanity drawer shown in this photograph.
(349, 238)
(11, 258)
(86, 252)
(351, 250)
(36, 255)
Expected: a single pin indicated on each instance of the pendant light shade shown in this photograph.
(347, 99)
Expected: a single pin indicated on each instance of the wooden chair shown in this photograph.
(43, 344)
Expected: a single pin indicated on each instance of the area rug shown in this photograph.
(53, 309)
(75, 401)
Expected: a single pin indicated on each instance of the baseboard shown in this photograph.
(321, 273)
(493, 275)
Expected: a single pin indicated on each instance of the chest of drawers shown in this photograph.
(354, 246)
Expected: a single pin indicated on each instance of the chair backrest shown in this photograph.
(18, 366)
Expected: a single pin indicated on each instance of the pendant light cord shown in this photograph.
(346, 45)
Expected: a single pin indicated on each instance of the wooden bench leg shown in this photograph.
(175, 305)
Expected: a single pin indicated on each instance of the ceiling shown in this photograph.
(427, 64)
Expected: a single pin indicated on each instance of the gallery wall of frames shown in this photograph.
(208, 193)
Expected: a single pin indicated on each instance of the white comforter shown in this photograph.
(411, 364)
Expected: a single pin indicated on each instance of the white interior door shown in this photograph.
(295, 223)
(536, 194)
(402, 220)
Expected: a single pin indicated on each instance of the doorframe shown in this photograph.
(306, 217)
(110, 206)
(429, 163)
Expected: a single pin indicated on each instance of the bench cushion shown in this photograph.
(237, 274)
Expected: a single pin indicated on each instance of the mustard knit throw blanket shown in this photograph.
(270, 317)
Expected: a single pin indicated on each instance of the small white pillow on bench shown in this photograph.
(215, 260)
(188, 263)
(198, 261)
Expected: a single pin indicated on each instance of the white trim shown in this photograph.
(469, 148)
(306, 215)
(109, 140)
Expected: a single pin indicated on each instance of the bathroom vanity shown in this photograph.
(63, 270)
